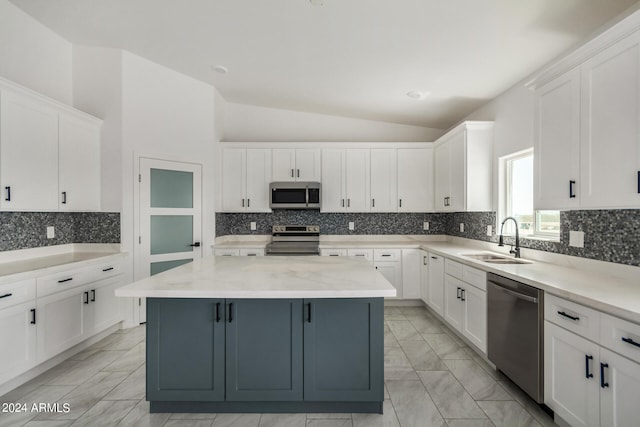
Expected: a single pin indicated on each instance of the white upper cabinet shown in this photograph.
(384, 180)
(345, 180)
(28, 154)
(557, 143)
(296, 164)
(610, 155)
(79, 164)
(415, 179)
(463, 168)
(245, 179)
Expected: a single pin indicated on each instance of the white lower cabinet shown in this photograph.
(436, 283)
(18, 338)
(453, 306)
(104, 304)
(587, 384)
(393, 273)
(411, 269)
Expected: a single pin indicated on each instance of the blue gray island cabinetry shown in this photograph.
(265, 334)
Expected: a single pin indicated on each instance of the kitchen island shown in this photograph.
(265, 334)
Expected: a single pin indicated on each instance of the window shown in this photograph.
(516, 199)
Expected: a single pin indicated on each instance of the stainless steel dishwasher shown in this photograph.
(515, 322)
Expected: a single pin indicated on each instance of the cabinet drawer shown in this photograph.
(17, 292)
(577, 318)
(386, 255)
(226, 252)
(365, 253)
(453, 268)
(475, 277)
(620, 336)
(64, 280)
(105, 270)
(251, 252)
(333, 252)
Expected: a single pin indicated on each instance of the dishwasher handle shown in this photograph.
(516, 294)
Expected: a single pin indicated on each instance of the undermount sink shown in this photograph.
(496, 259)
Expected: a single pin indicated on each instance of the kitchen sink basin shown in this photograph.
(496, 259)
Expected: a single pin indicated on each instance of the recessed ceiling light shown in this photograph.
(417, 94)
(221, 69)
(317, 2)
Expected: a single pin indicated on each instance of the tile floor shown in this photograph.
(431, 379)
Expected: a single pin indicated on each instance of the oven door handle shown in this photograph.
(516, 294)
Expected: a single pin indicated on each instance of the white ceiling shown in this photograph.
(354, 58)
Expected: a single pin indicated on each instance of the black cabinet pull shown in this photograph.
(424, 260)
(458, 293)
(571, 193)
(64, 197)
(248, 202)
(33, 316)
(638, 182)
(107, 269)
(308, 312)
(86, 297)
(195, 245)
(217, 312)
(568, 316)
(230, 312)
(386, 254)
(434, 257)
(631, 341)
(8, 295)
(93, 295)
(68, 279)
(462, 295)
(587, 373)
(373, 201)
(243, 203)
(400, 202)
(298, 173)
(8, 190)
(603, 384)
(291, 173)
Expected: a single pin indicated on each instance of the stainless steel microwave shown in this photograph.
(294, 195)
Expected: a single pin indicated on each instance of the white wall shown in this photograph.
(248, 123)
(34, 56)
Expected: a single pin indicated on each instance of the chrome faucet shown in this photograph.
(515, 251)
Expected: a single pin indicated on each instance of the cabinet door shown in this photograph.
(392, 271)
(307, 164)
(424, 276)
(333, 179)
(79, 164)
(557, 142)
(436, 283)
(357, 180)
(176, 324)
(61, 323)
(442, 184)
(384, 180)
(105, 304)
(284, 164)
(474, 317)
(343, 349)
(18, 338)
(28, 154)
(258, 173)
(264, 350)
(619, 398)
(233, 179)
(610, 151)
(453, 305)
(415, 180)
(568, 387)
(458, 172)
(411, 267)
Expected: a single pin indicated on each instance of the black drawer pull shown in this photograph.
(631, 341)
(33, 316)
(434, 257)
(334, 255)
(386, 254)
(462, 295)
(86, 297)
(8, 295)
(568, 316)
(93, 295)
(458, 293)
(603, 384)
(587, 373)
(8, 190)
(572, 195)
(107, 269)
(65, 280)
(64, 197)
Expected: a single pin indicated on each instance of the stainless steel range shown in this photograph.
(294, 240)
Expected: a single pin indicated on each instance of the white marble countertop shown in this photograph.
(265, 277)
(27, 263)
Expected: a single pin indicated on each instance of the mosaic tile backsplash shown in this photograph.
(610, 235)
(24, 230)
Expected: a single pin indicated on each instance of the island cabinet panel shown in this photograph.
(187, 338)
(264, 350)
(343, 349)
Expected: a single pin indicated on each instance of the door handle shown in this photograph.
(33, 316)
(217, 312)
(571, 193)
(64, 197)
(291, 173)
(86, 297)
(308, 312)
(462, 295)
(9, 294)
(587, 373)
(424, 260)
(68, 279)
(603, 383)
(343, 203)
(568, 316)
(243, 203)
(298, 173)
(248, 202)
(631, 341)
(8, 191)
(195, 245)
(93, 295)
(458, 293)
(348, 203)
(107, 269)
(400, 203)
(230, 312)
(373, 202)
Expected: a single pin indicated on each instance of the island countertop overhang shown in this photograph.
(265, 277)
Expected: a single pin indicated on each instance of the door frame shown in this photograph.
(138, 256)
